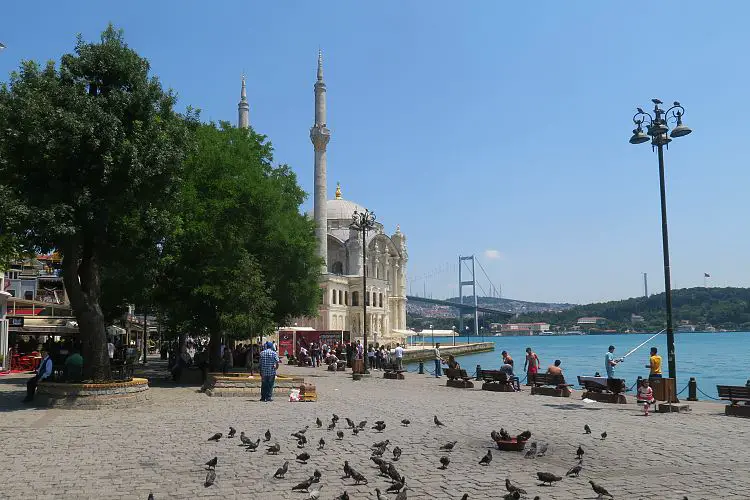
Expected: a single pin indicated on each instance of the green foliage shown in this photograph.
(90, 157)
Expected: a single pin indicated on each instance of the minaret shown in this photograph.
(243, 108)
(320, 135)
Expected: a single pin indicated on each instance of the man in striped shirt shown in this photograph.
(269, 363)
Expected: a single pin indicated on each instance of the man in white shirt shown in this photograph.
(42, 373)
(110, 349)
(399, 352)
(438, 360)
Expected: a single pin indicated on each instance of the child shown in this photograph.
(645, 396)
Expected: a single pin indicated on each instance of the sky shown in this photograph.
(494, 129)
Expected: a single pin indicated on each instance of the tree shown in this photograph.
(243, 256)
(90, 157)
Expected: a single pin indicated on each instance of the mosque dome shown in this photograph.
(340, 209)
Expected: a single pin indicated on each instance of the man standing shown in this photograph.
(399, 352)
(438, 360)
(531, 365)
(610, 362)
(654, 364)
(43, 372)
(269, 363)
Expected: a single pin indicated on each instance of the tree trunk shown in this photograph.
(214, 351)
(83, 285)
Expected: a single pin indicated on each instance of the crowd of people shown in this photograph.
(379, 357)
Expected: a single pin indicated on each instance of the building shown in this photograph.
(591, 321)
(38, 280)
(340, 247)
(521, 328)
(636, 318)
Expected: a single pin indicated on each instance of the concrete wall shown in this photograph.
(412, 355)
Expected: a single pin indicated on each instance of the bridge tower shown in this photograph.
(461, 284)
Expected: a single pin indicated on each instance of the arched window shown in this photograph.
(374, 299)
(380, 300)
(338, 268)
(355, 298)
(346, 298)
(341, 297)
(333, 296)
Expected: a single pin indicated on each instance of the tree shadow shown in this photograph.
(572, 406)
(13, 391)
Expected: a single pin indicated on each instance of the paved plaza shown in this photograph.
(161, 447)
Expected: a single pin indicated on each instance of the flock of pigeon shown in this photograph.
(386, 467)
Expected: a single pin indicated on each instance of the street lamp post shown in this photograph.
(467, 335)
(364, 221)
(454, 334)
(433, 335)
(657, 132)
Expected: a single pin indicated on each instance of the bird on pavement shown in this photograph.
(575, 471)
(381, 444)
(317, 474)
(267, 435)
(600, 490)
(315, 494)
(504, 435)
(513, 495)
(438, 422)
(383, 468)
(378, 452)
(393, 473)
(347, 470)
(279, 474)
(216, 437)
(321, 444)
(586, 429)
(252, 446)
(378, 495)
(318, 422)
(444, 461)
(548, 477)
(150, 496)
(380, 427)
(303, 457)
(349, 423)
(331, 425)
(358, 478)
(232, 432)
(396, 453)
(334, 417)
(210, 478)
(302, 441)
(542, 450)
(531, 452)
(579, 452)
(377, 460)
(343, 496)
(604, 435)
(362, 425)
(487, 458)
(524, 436)
(448, 446)
(273, 449)
(512, 487)
(379, 422)
(396, 487)
(340, 434)
(401, 495)
(304, 485)
(302, 431)
(465, 497)
(405, 422)
(244, 439)
(212, 463)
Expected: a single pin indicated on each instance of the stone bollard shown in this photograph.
(638, 383)
(479, 372)
(692, 390)
(421, 367)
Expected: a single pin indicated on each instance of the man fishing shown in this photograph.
(610, 362)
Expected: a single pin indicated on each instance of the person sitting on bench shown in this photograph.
(556, 377)
(507, 369)
(43, 372)
(452, 363)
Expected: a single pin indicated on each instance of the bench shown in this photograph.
(457, 377)
(550, 385)
(495, 380)
(735, 394)
(391, 371)
(603, 389)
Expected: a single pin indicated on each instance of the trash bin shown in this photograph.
(358, 366)
(664, 388)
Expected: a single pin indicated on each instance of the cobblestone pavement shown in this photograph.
(160, 447)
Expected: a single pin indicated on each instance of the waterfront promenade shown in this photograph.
(160, 448)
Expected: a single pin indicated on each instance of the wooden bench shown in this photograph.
(604, 390)
(735, 394)
(495, 380)
(457, 377)
(550, 385)
(391, 371)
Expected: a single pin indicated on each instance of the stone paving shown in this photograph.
(161, 447)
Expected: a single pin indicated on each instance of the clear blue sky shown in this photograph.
(501, 127)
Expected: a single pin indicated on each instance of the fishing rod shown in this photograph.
(643, 343)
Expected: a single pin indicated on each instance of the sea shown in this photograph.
(712, 358)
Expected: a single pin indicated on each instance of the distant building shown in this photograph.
(528, 328)
(37, 280)
(591, 321)
(686, 328)
(635, 318)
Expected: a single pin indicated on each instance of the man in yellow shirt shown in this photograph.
(654, 364)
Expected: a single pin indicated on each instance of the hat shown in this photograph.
(269, 345)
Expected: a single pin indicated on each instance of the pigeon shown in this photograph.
(378, 461)
(362, 425)
(303, 457)
(380, 427)
(347, 470)
(514, 495)
(232, 432)
(524, 436)
(487, 458)
(267, 436)
(318, 422)
(383, 468)
(244, 439)
(379, 422)
(304, 485)
(381, 444)
(216, 437)
(531, 452)
(448, 446)
(393, 473)
(273, 449)
(355, 431)
(321, 444)
(438, 422)
(349, 423)
(542, 450)
(604, 435)
(444, 462)
(279, 474)
(150, 496)
(548, 477)
(210, 478)
(405, 422)
(315, 494)
(396, 453)
(331, 426)
(301, 443)
(396, 487)
(465, 497)
(504, 435)
(401, 495)
(512, 487)
(579, 452)
(340, 434)
(343, 496)
(317, 474)
(378, 452)
(303, 430)
(378, 495)
(212, 463)
(358, 478)
(334, 418)
(600, 490)
(586, 429)
(253, 446)
(575, 471)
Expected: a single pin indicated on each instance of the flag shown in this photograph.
(706, 275)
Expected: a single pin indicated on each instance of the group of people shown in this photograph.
(378, 356)
(71, 359)
(645, 391)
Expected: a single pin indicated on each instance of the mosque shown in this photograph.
(341, 249)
